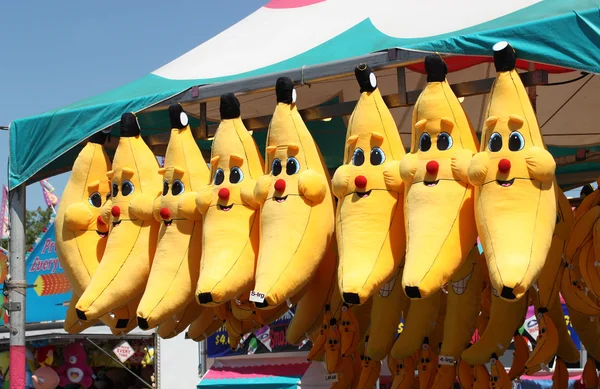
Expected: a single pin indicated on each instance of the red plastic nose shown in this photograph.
(504, 165)
(115, 211)
(280, 185)
(432, 167)
(165, 213)
(99, 221)
(223, 193)
(360, 181)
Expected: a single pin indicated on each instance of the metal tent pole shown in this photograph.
(16, 286)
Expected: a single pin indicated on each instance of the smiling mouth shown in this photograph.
(505, 184)
(116, 223)
(102, 234)
(280, 199)
(224, 207)
(363, 195)
(386, 289)
(431, 183)
(168, 222)
(460, 286)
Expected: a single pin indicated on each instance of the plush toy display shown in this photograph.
(297, 208)
(45, 378)
(231, 216)
(44, 355)
(180, 321)
(439, 211)
(369, 219)
(125, 266)
(75, 370)
(513, 175)
(176, 264)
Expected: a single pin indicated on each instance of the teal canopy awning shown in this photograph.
(560, 33)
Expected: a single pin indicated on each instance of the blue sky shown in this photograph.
(53, 53)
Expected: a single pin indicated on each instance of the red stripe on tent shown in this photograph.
(230, 372)
(460, 62)
(278, 4)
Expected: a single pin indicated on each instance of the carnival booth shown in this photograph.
(377, 201)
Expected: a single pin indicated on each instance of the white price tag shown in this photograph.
(446, 360)
(331, 377)
(257, 297)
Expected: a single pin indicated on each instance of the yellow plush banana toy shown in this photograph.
(389, 306)
(81, 232)
(513, 175)
(439, 199)
(296, 205)
(174, 274)
(231, 216)
(123, 272)
(369, 218)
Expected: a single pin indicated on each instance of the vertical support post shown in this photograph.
(401, 80)
(532, 90)
(17, 286)
(157, 356)
(203, 360)
(201, 131)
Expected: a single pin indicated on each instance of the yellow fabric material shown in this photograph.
(464, 292)
(125, 266)
(440, 221)
(174, 274)
(390, 304)
(181, 320)
(369, 221)
(515, 219)
(296, 224)
(231, 225)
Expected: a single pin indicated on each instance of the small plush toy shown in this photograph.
(45, 355)
(45, 378)
(513, 175)
(369, 218)
(231, 216)
(75, 370)
(123, 272)
(440, 220)
(174, 272)
(297, 207)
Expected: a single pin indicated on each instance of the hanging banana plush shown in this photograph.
(81, 232)
(439, 199)
(513, 175)
(296, 205)
(123, 272)
(369, 219)
(231, 216)
(174, 274)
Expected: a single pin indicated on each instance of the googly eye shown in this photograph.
(177, 188)
(425, 142)
(236, 175)
(495, 143)
(127, 188)
(115, 189)
(427, 360)
(330, 341)
(335, 341)
(219, 176)
(95, 200)
(358, 158)
(516, 141)
(377, 156)
(276, 167)
(558, 218)
(292, 166)
(444, 141)
(165, 188)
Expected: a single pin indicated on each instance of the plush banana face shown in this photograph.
(124, 183)
(367, 154)
(507, 140)
(286, 163)
(437, 141)
(96, 195)
(175, 183)
(227, 177)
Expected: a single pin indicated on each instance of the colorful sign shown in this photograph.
(531, 328)
(268, 339)
(49, 289)
(50, 198)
